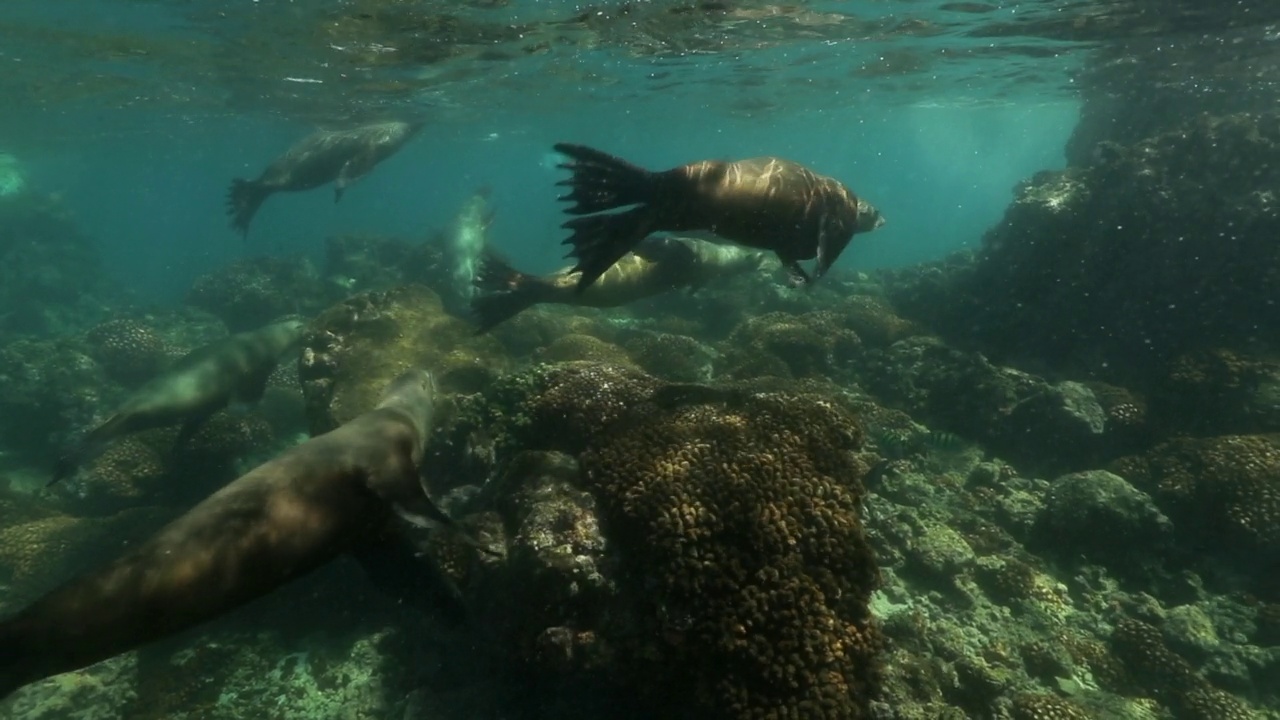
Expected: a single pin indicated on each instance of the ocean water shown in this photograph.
(1066, 326)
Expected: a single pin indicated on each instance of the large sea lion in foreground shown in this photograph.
(199, 384)
(340, 157)
(335, 493)
(765, 202)
(655, 265)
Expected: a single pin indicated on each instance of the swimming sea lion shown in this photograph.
(335, 493)
(655, 265)
(340, 157)
(765, 202)
(199, 384)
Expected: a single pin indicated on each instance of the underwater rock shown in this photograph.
(51, 276)
(1158, 248)
(1100, 516)
(359, 345)
(785, 345)
(361, 263)
(48, 389)
(129, 351)
(1220, 392)
(252, 292)
(1042, 426)
(705, 544)
(1223, 496)
(676, 358)
(577, 347)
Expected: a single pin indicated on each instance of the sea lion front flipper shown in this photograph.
(796, 276)
(189, 429)
(253, 388)
(352, 170)
(394, 566)
(422, 512)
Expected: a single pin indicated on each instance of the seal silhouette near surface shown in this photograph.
(338, 157)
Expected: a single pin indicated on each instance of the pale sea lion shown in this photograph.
(340, 157)
(199, 384)
(766, 203)
(655, 265)
(335, 493)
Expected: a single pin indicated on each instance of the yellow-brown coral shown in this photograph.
(128, 350)
(743, 517)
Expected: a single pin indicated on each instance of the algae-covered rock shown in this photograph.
(359, 345)
(1101, 516)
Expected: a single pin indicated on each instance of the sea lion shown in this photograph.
(340, 157)
(336, 493)
(765, 202)
(655, 265)
(199, 384)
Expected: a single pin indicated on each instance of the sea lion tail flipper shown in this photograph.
(600, 241)
(243, 200)
(601, 181)
(494, 309)
(89, 446)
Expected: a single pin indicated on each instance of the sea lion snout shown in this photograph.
(415, 387)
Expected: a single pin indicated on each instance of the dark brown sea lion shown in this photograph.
(655, 265)
(765, 202)
(199, 384)
(335, 493)
(340, 157)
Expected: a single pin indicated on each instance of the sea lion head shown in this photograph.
(869, 218)
(414, 392)
(287, 334)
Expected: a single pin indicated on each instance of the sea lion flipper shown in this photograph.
(352, 170)
(796, 276)
(243, 200)
(599, 241)
(422, 512)
(189, 429)
(253, 388)
(394, 566)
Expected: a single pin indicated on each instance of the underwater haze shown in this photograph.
(433, 359)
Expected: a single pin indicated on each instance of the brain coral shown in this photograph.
(1223, 492)
(128, 350)
(742, 517)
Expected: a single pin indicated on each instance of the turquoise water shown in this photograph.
(1016, 457)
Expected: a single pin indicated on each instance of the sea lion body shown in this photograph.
(766, 203)
(329, 495)
(656, 265)
(340, 157)
(194, 388)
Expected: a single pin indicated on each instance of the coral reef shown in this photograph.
(128, 350)
(709, 544)
(251, 292)
(1045, 427)
(1223, 495)
(677, 358)
(360, 344)
(48, 388)
(785, 345)
(51, 278)
(1156, 249)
